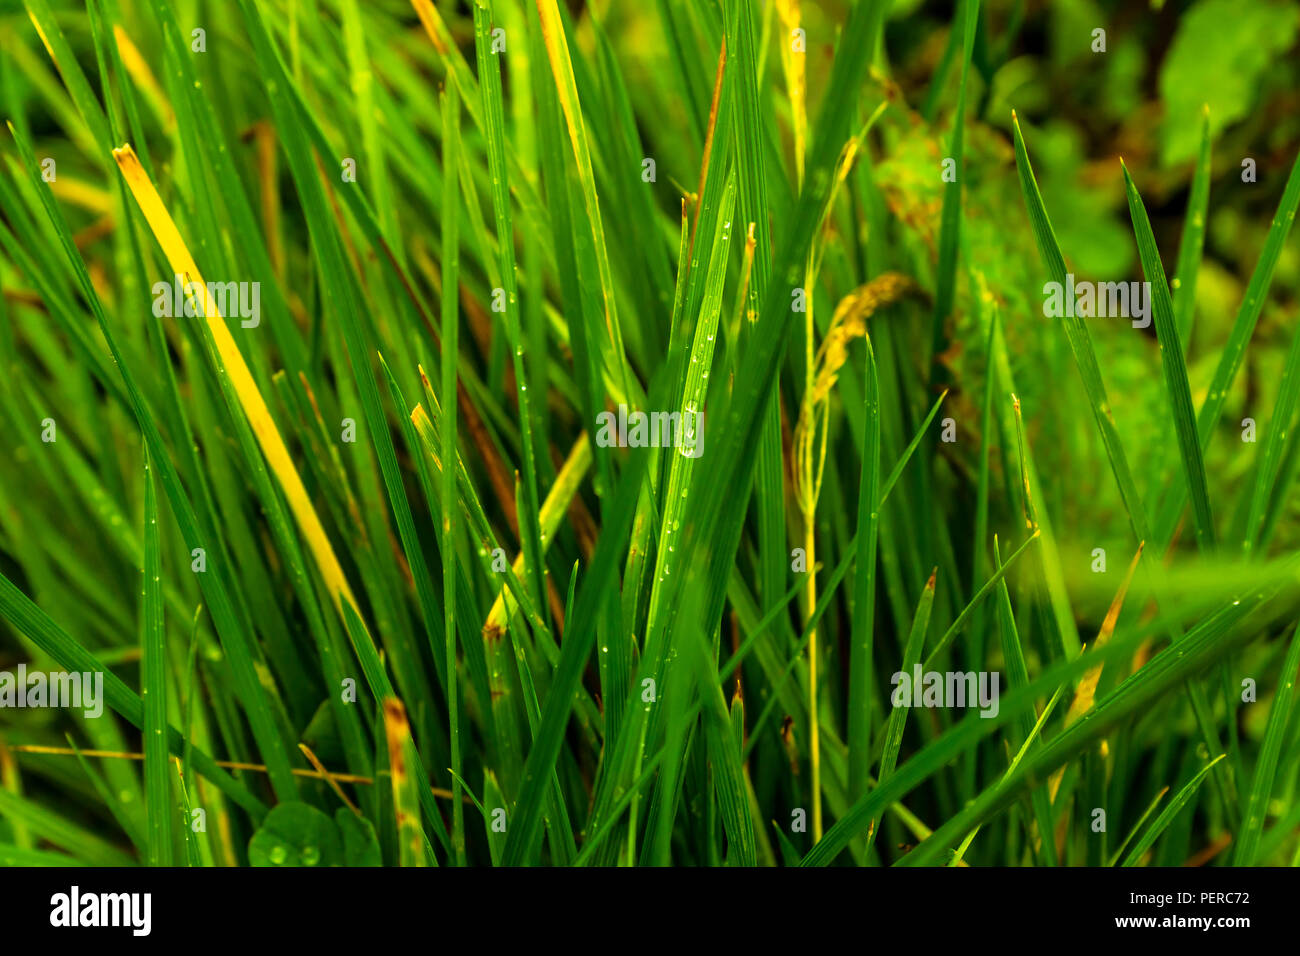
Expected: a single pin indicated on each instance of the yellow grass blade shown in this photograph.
(1087, 689)
(1086, 692)
(445, 46)
(792, 63)
(552, 511)
(401, 757)
(234, 367)
(81, 193)
(145, 81)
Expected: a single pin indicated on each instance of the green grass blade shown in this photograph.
(1080, 341)
(1275, 737)
(898, 716)
(450, 523)
(1152, 833)
(864, 587)
(1171, 355)
(157, 770)
(1275, 440)
(1234, 350)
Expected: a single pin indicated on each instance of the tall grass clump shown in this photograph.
(514, 432)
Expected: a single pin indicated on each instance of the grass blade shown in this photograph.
(1275, 735)
(1167, 815)
(1171, 354)
(157, 773)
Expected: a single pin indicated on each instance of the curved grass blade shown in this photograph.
(1171, 355)
(1076, 333)
(960, 852)
(1167, 815)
